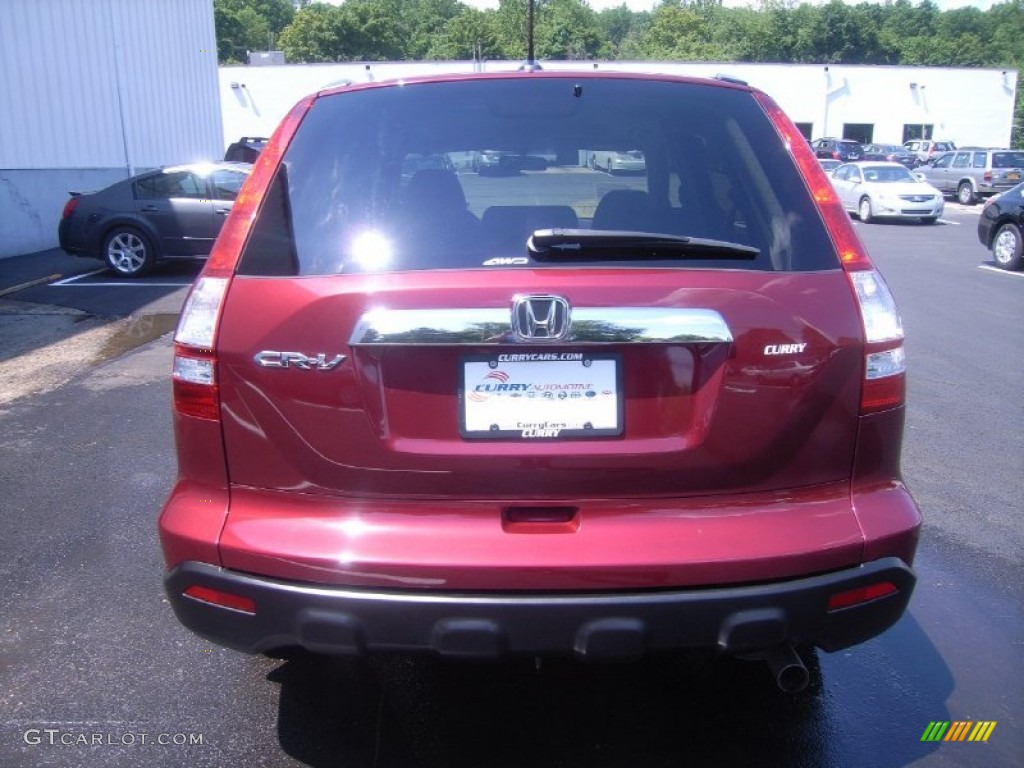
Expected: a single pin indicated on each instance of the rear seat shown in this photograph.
(507, 227)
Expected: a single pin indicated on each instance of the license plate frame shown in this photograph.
(541, 396)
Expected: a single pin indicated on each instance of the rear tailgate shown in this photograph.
(307, 406)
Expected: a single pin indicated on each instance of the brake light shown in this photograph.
(228, 247)
(194, 373)
(988, 175)
(884, 384)
(195, 364)
(885, 367)
(69, 207)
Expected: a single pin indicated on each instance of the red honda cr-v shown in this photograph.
(545, 410)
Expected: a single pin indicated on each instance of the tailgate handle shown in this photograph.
(540, 519)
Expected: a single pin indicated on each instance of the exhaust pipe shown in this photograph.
(788, 670)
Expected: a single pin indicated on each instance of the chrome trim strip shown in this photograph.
(590, 325)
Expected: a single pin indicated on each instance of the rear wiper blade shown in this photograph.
(573, 244)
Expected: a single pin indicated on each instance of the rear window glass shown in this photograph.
(1008, 159)
(461, 174)
(171, 184)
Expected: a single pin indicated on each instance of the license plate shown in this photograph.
(541, 396)
(1013, 176)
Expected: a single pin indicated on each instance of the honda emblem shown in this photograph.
(541, 318)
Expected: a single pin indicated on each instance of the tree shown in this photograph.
(248, 25)
(314, 34)
(470, 35)
(567, 29)
(681, 32)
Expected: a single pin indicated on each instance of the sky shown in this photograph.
(646, 5)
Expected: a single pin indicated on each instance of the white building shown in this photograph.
(92, 91)
(886, 105)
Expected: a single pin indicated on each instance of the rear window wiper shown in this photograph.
(585, 244)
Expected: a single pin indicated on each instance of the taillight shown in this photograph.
(228, 247)
(195, 364)
(884, 384)
(69, 207)
(988, 175)
(194, 374)
(885, 367)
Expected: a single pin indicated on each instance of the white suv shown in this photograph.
(927, 150)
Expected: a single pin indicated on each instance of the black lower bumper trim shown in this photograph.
(594, 626)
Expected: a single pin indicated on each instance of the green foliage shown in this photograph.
(248, 25)
(889, 32)
(315, 34)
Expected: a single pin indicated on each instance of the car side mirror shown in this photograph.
(920, 176)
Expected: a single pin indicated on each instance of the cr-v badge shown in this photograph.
(271, 359)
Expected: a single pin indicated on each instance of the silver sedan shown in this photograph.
(876, 190)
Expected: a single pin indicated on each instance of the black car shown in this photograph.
(890, 153)
(1000, 226)
(246, 149)
(846, 150)
(174, 212)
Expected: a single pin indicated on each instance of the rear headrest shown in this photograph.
(436, 189)
(630, 209)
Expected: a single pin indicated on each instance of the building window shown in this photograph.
(862, 133)
(806, 129)
(918, 131)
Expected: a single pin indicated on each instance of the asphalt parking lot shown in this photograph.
(89, 648)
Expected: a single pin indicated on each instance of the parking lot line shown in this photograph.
(72, 282)
(999, 271)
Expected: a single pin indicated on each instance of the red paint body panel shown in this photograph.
(698, 419)
(461, 545)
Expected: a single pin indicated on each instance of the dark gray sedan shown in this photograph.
(171, 213)
(892, 153)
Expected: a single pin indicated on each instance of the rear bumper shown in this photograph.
(592, 626)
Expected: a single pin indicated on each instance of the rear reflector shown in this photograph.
(861, 595)
(221, 599)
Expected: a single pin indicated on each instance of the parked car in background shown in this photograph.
(511, 415)
(971, 175)
(886, 190)
(246, 149)
(844, 150)
(927, 150)
(171, 213)
(417, 162)
(828, 164)
(624, 161)
(499, 162)
(891, 153)
(1000, 226)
